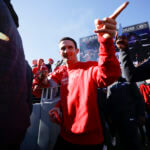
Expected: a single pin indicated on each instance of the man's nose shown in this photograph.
(66, 50)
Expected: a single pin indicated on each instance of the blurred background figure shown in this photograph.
(49, 65)
(40, 62)
(58, 63)
(39, 73)
(38, 81)
(126, 112)
(145, 90)
(34, 63)
(15, 82)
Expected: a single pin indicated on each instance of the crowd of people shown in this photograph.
(41, 71)
(93, 94)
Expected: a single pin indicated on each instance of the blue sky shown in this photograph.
(44, 22)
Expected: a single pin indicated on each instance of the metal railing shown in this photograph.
(49, 94)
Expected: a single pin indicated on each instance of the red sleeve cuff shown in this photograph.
(106, 46)
(103, 40)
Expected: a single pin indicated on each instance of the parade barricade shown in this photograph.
(42, 133)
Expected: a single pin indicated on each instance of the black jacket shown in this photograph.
(15, 80)
(124, 96)
(132, 73)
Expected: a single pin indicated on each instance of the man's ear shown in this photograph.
(77, 51)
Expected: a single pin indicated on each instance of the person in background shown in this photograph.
(77, 111)
(37, 84)
(126, 112)
(15, 81)
(145, 90)
(36, 69)
(49, 65)
(34, 63)
(131, 72)
(58, 63)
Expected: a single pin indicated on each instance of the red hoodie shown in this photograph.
(145, 90)
(81, 120)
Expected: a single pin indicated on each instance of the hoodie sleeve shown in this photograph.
(108, 69)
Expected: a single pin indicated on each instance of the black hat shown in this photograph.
(12, 11)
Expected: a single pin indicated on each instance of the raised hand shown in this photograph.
(55, 115)
(119, 10)
(121, 42)
(107, 26)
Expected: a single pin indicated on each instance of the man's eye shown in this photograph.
(63, 48)
(70, 47)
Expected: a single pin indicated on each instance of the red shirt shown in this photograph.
(82, 124)
(34, 70)
(145, 90)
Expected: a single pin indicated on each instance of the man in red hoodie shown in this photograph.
(77, 111)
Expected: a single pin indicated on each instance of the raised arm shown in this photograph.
(132, 73)
(107, 27)
(108, 70)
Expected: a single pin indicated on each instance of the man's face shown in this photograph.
(50, 62)
(68, 51)
(41, 62)
(34, 62)
(45, 73)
